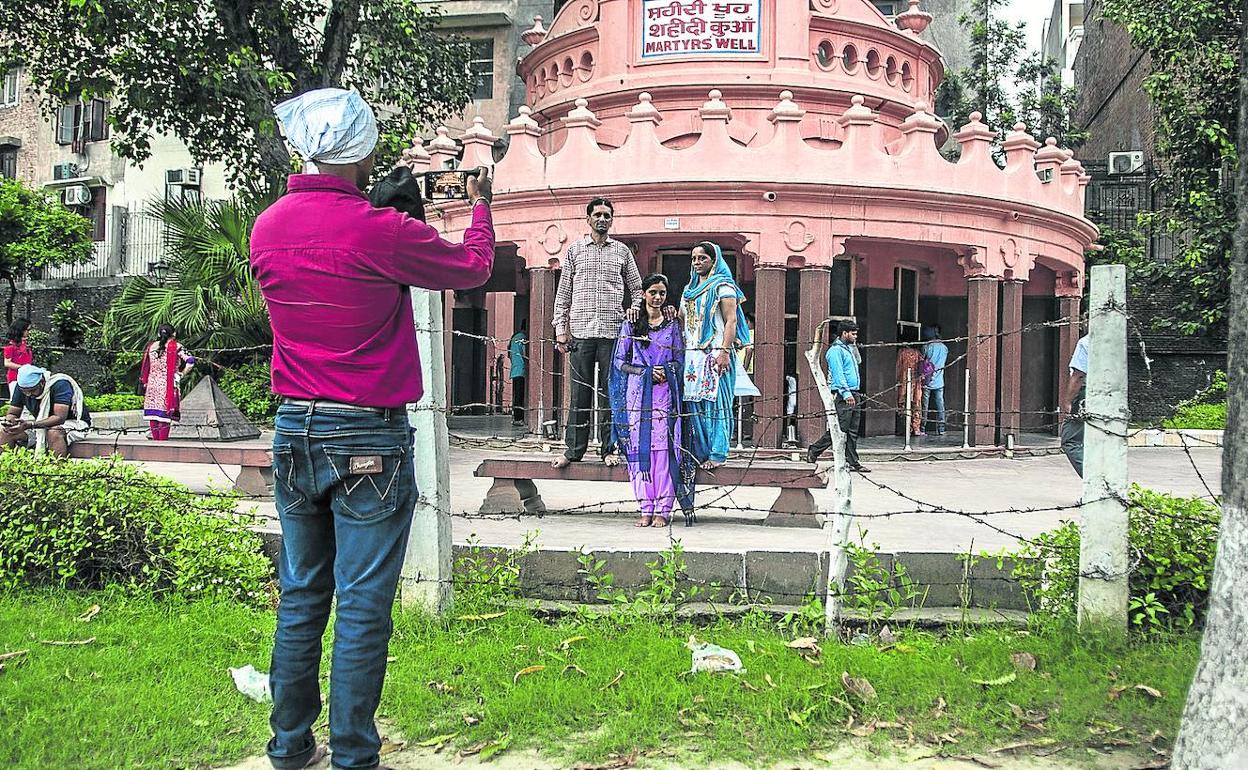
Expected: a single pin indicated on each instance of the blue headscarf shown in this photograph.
(706, 292)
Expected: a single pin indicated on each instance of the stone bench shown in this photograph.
(514, 492)
(255, 458)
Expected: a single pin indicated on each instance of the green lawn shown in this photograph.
(152, 690)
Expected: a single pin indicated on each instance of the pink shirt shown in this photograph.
(18, 354)
(334, 272)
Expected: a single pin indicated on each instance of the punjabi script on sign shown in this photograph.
(700, 27)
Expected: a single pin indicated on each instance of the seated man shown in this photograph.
(60, 416)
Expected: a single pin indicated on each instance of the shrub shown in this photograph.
(1204, 411)
(251, 389)
(1199, 417)
(1172, 541)
(71, 324)
(41, 348)
(98, 523)
(114, 402)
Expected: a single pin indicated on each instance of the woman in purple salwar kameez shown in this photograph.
(645, 390)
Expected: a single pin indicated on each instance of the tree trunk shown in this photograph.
(8, 303)
(1214, 733)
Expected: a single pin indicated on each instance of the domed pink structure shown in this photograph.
(798, 135)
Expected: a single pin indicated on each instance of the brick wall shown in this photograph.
(1112, 105)
(23, 122)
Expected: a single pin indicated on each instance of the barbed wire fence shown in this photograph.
(719, 497)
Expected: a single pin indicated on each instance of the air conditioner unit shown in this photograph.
(64, 171)
(76, 195)
(183, 177)
(1126, 162)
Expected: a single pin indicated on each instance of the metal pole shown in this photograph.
(1103, 590)
(425, 581)
(966, 411)
(740, 423)
(909, 408)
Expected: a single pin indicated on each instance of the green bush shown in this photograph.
(71, 324)
(1199, 417)
(1204, 411)
(41, 347)
(1172, 541)
(114, 402)
(250, 388)
(98, 523)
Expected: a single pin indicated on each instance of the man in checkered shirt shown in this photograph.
(599, 279)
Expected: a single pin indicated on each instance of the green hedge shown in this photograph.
(1172, 541)
(98, 523)
(1199, 417)
(251, 389)
(114, 402)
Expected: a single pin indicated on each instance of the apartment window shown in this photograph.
(96, 211)
(82, 122)
(482, 66)
(8, 162)
(885, 7)
(10, 91)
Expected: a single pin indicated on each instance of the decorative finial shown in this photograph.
(582, 115)
(715, 107)
(787, 109)
(914, 20)
(858, 100)
(1051, 141)
(524, 122)
(1020, 126)
(644, 110)
(977, 116)
(535, 34)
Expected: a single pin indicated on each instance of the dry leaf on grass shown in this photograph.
(471, 751)
(767, 678)
(747, 686)
(91, 612)
(12, 655)
(1117, 690)
(1150, 691)
(938, 708)
(70, 643)
(389, 747)
(858, 686)
(573, 667)
(1023, 661)
(487, 616)
(1036, 744)
(613, 682)
(437, 740)
(526, 671)
(470, 720)
(571, 640)
(441, 687)
(616, 763)
(1006, 679)
(806, 645)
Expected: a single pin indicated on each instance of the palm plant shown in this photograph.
(206, 291)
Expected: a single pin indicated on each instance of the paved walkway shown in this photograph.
(1013, 498)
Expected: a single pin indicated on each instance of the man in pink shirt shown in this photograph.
(335, 272)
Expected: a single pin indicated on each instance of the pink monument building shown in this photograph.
(797, 134)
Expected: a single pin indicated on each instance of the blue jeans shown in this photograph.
(345, 489)
(937, 398)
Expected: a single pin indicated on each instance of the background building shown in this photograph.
(1061, 35)
(1120, 156)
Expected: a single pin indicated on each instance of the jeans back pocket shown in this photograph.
(370, 481)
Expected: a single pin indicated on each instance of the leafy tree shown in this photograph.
(1195, 59)
(207, 291)
(210, 73)
(37, 232)
(1005, 83)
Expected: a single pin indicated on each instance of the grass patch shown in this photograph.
(1198, 417)
(152, 690)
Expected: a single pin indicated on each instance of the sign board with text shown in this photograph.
(704, 29)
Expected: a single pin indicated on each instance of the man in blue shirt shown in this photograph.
(55, 401)
(934, 389)
(846, 385)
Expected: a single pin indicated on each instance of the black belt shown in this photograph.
(321, 402)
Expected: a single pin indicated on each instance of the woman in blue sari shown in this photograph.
(645, 391)
(714, 325)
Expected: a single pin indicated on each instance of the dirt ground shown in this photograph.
(847, 757)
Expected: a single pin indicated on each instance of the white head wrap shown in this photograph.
(329, 125)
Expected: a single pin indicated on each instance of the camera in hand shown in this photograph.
(448, 185)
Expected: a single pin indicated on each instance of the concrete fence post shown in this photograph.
(1103, 578)
(426, 576)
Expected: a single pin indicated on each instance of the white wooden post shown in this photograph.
(1103, 541)
(426, 578)
(967, 418)
(836, 523)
